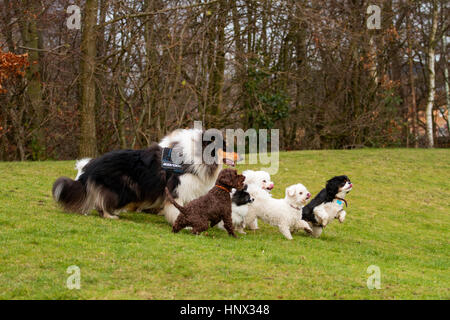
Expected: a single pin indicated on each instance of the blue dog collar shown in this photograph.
(341, 201)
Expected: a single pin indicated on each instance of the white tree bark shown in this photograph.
(373, 59)
(447, 94)
(431, 76)
(412, 84)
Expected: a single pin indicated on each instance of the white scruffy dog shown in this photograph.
(256, 180)
(286, 214)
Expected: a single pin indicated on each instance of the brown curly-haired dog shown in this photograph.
(213, 207)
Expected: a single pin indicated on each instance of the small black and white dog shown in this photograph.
(239, 205)
(328, 204)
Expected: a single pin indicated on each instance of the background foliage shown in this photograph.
(138, 69)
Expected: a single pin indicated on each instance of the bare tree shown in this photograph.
(431, 74)
(88, 139)
(138, 69)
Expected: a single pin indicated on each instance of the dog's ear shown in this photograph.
(248, 176)
(332, 188)
(245, 187)
(227, 176)
(290, 191)
(148, 158)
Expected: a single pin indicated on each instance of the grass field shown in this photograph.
(398, 219)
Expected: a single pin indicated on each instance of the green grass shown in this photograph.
(397, 219)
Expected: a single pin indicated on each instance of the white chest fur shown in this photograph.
(191, 187)
(326, 212)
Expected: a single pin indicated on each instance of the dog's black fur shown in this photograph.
(125, 176)
(241, 197)
(119, 178)
(327, 194)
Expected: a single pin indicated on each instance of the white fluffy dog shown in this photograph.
(286, 214)
(256, 180)
(259, 178)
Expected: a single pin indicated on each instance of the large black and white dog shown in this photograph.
(328, 204)
(135, 179)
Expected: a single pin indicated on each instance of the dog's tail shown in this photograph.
(172, 200)
(79, 166)
(71, 194)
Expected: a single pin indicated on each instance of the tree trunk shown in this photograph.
(447, 93)
(219, 64)
(30, 37)
(88, 141)
(7, 26)
(431, 76)
(413, 113)
(373, 59)
(151, 66)
(301, 67)
(120, 125)
(240, 59)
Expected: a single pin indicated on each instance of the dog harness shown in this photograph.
(223, 188)
(340, 200)
(167, 162)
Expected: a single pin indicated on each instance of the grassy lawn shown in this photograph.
(398, 219)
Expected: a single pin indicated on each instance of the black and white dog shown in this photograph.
(328, 204)
(135, 179)
(239, 209)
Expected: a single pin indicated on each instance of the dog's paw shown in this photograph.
(305, 226)
(322, 218)
(110, 216)
(253, 225)
(323, 221)
(341, 217)
(317, 231)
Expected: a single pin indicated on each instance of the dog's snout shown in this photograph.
(270, 187)
(308, 195)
